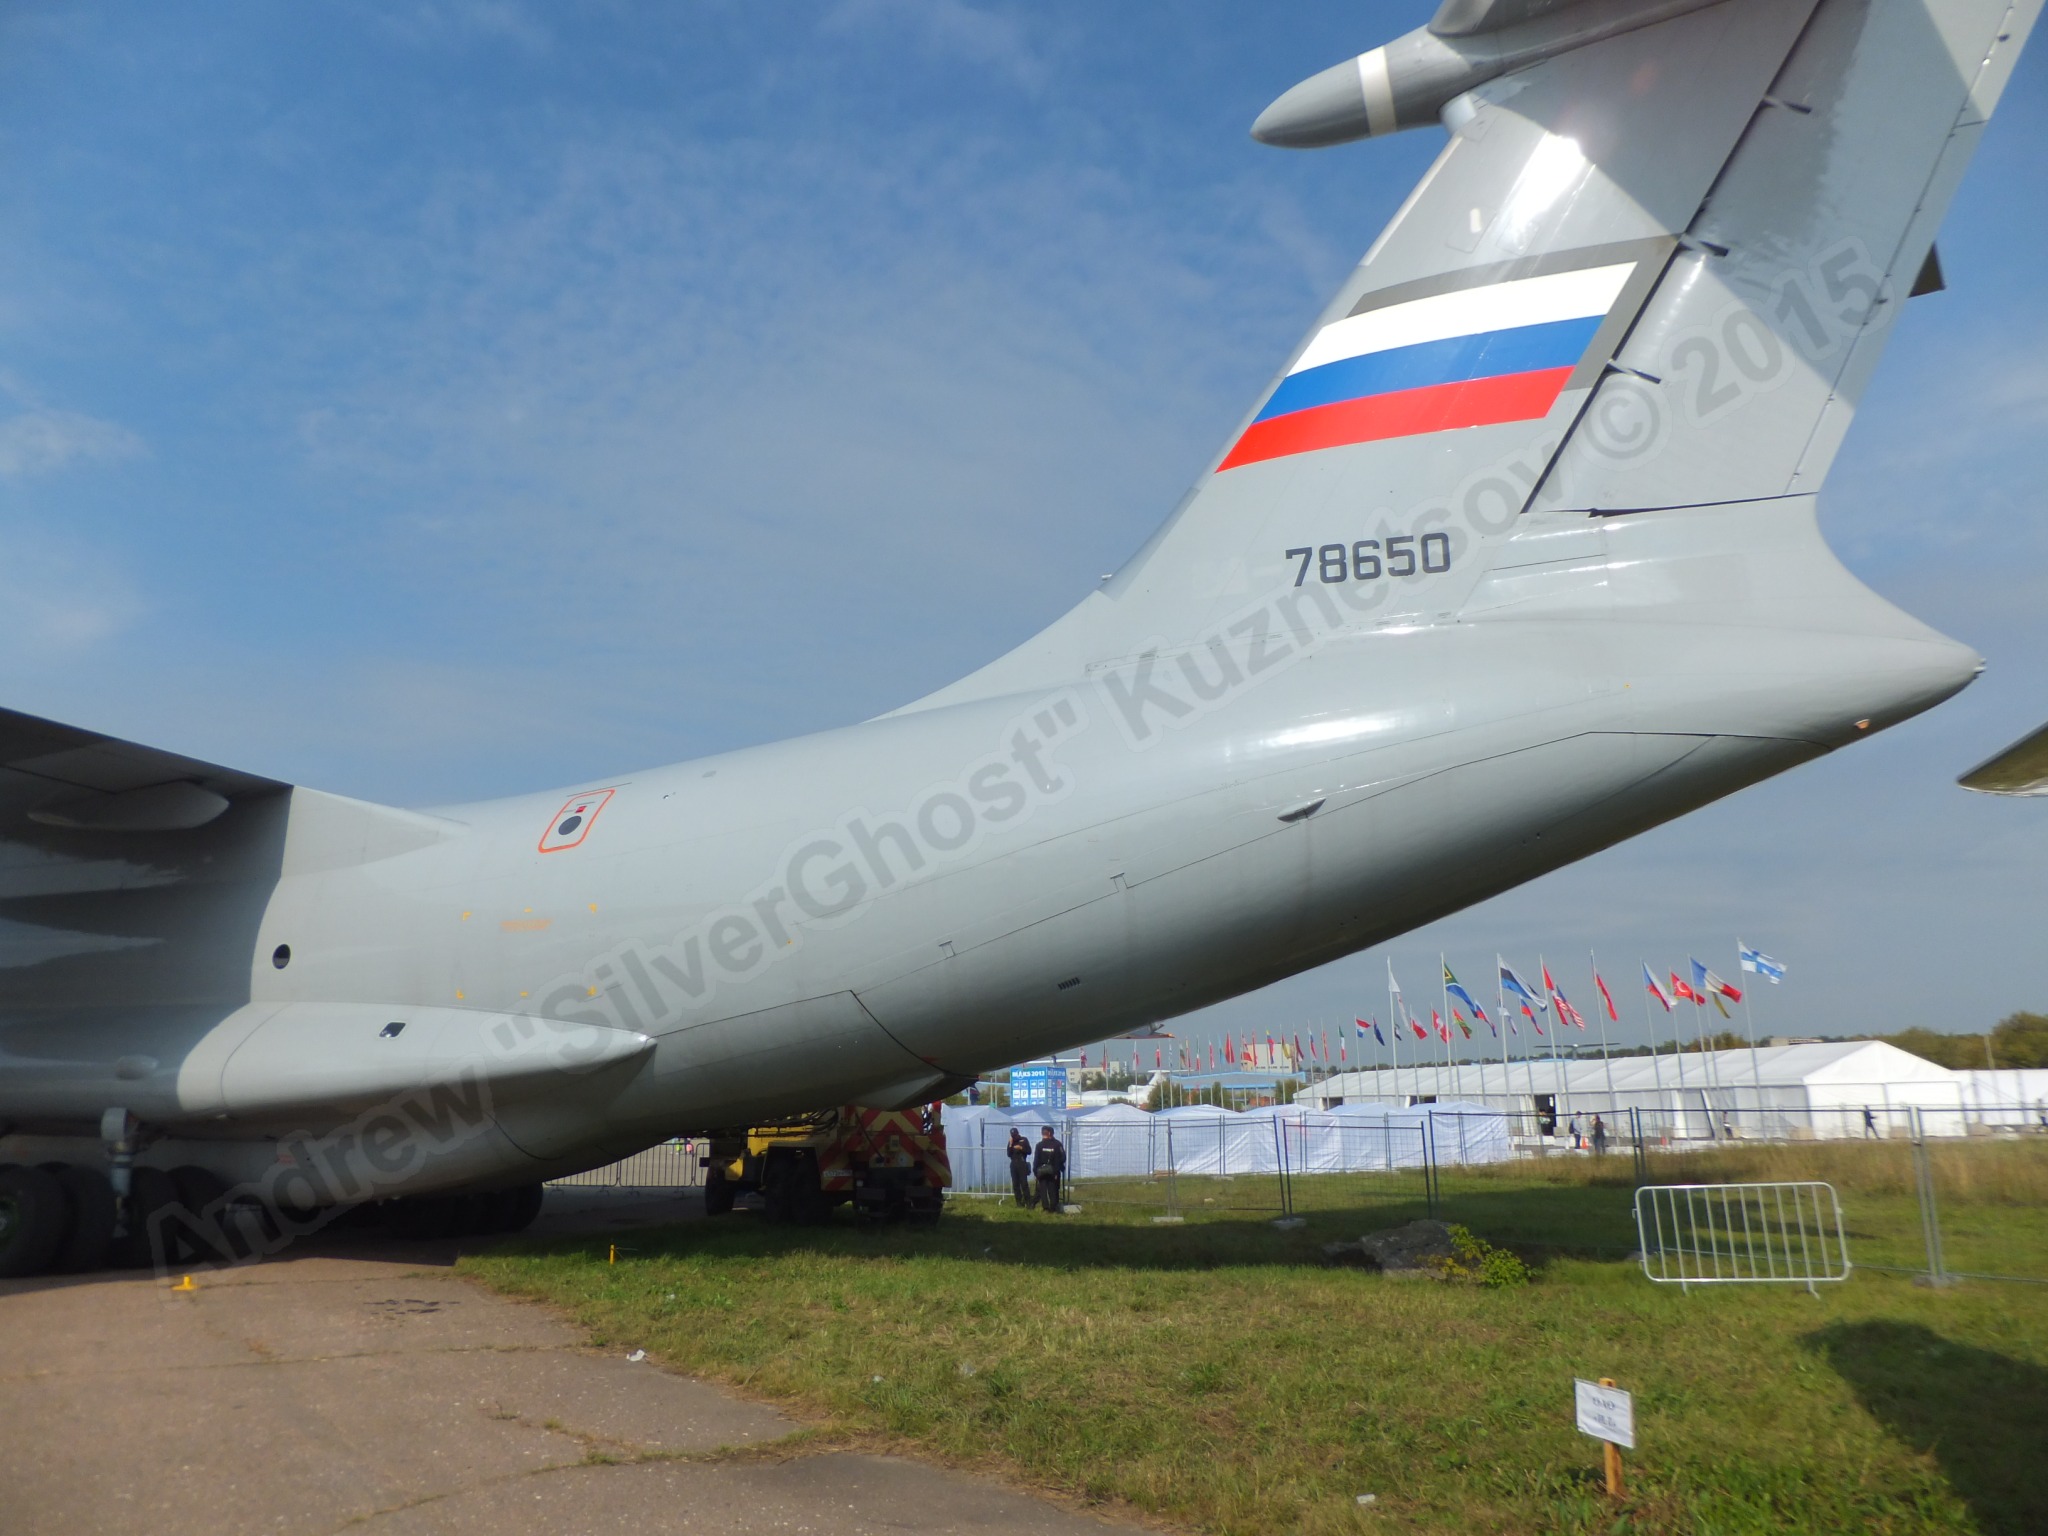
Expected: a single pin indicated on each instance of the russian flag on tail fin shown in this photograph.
(1472, 357)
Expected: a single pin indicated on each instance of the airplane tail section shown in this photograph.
(1653, 269)
(1742, 372)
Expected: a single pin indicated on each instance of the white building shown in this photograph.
(1787, 1090)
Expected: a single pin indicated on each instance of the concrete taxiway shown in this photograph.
(359, 1384)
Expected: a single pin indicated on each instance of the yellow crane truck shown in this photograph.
(889, 1164)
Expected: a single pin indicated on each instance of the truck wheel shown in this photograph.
(791, 1187)
(718, 1194)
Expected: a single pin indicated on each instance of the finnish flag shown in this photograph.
(1762, 964)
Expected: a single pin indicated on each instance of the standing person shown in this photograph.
(1049, 1164)
(1599, 1137)
(1577, 1144)
(1869, 1122)
(1019, 1150)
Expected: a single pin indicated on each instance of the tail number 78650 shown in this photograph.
(1404, 554)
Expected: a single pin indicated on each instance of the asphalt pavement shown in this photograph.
(357, 1383)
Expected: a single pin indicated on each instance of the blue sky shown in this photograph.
(429, 401)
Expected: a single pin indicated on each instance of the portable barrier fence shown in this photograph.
(1923, 1192)
(668, 1165)
(1199, 1160)
(1742, 1234)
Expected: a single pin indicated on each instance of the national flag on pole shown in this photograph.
(1158, 1065)
(1655, 990)
(1229, 1051)
(1532, 1019)
(1414, 1024)
(1758, 963)
(1521, 989)
(1443, 1030)
(1565, 1010)
(1713, 984)
(1452, 986)
(1343, 1051)
(1458, 1019)
(1373, 1025)
(1684, 990)
(1297, 1051)
(1606, 997)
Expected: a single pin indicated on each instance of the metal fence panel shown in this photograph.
(1750, 1234)
(668, 1165)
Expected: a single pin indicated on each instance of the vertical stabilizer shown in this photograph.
(1651, 271)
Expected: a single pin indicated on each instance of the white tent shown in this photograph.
(2012, 1097)
(1123, 1142)
(1363, 1138)
(1817, 1090)
(1117, 1141)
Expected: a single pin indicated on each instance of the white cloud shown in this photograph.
(41, 441)
(949, 29)
(57, 599)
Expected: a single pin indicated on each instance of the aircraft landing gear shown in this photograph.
(496, 1213)
(33, 1219)
(151, 1197)
(90, 1213)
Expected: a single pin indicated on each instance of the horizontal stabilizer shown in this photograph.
(2021, 769)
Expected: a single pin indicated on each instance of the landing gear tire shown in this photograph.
(90, 1232)
(424, 1218)
(512, 1210)
(34, 1214)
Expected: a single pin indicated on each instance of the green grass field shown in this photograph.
(1215, 1375)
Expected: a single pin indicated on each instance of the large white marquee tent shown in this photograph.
(1819, 1090)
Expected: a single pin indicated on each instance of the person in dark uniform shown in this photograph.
(1049, 1165)
(1020, 1166)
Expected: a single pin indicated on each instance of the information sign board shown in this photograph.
(1606, 1413)
(1038, 1087)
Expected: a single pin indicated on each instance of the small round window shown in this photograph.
(281, 956)
(569, 825)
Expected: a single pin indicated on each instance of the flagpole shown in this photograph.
(1756, 1071)
(1650, 1023)
(1593, 960)
(1564, 1092)
(1500, 994)
(1678, 1046)
(1710, 1066)
(1445, 1023)
(1507, 1082)
(1394, 1029)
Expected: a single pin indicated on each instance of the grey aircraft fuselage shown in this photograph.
(1269, 742)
